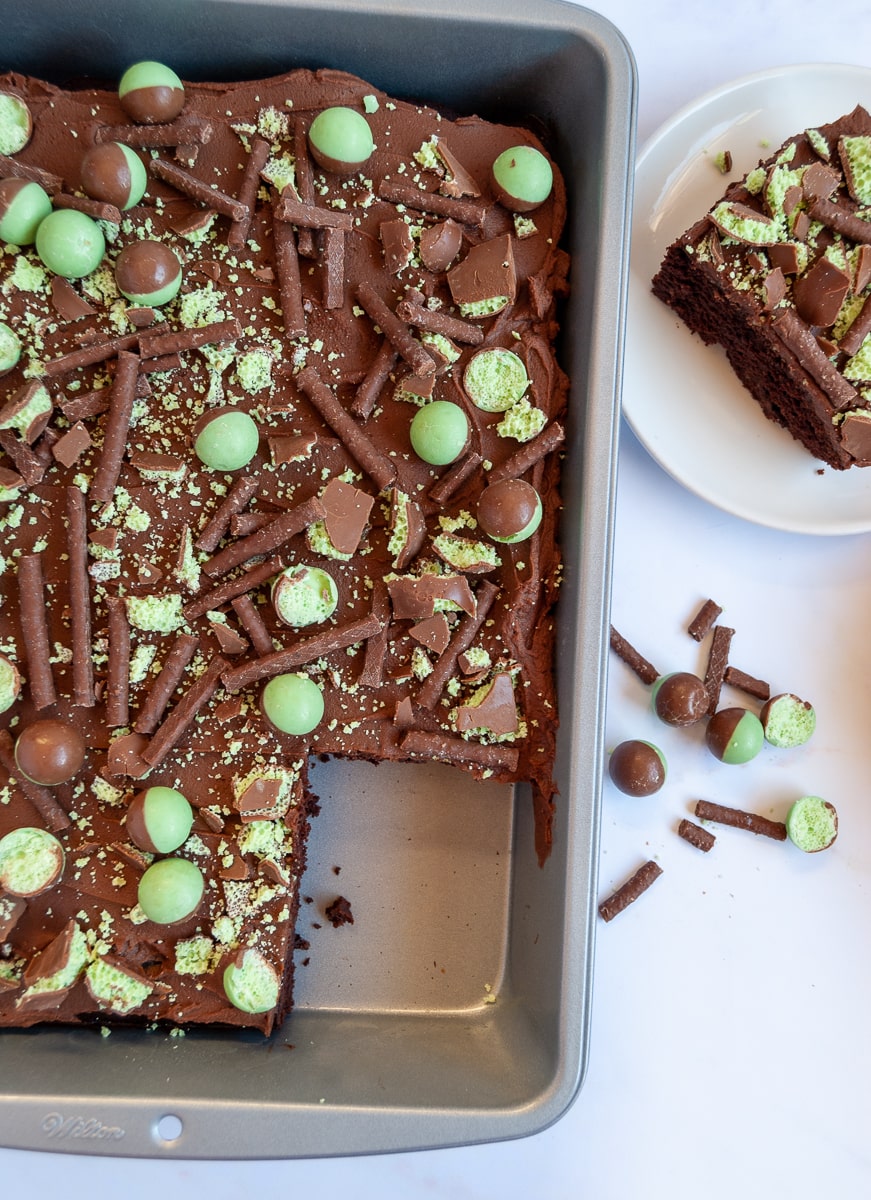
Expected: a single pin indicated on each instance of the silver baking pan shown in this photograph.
(456, 1008)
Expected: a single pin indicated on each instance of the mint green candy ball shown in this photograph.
(523, 178)
(170, 890)
(159, 820)
(228, 441)
(340, 139)
(251, 983)
(439, 432)
(734, 735)
(69, 243)
(16, 123)
(24, 205)
(292, 703)
(151, 93)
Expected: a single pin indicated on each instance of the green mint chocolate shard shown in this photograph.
(65, 976)
(819, 144)
(859, 366)
(755, 181)
(745, 224)
(522, 422)
(778, 184)
(465, 554)
(856, 159)
(115, 989)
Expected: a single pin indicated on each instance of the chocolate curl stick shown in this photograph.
(257, 157)
(80, 599)
(196, 189)
(369, 389)
(186, 131)
(158, 344)
(185, 712)
(55, 817)
(334, 268)
(419, 742)
(11, 168)
(117, 427)
(718, 660)
(86, 356)
(529, 454)
(372, 674)
(238, 497)
(305, 185)
(635, 661)
(97, 209)
(464, 211)
(309, 216)
(232, 588)
(165, 683)
(703, 622)
(118, 674)
(434, 321)
(737, 819)
(252, 622)
(630, 891)
(445, 486)
(466, 632)
(377, 465)
(270, 537)
(339, 637)
(420, 361)
(34, 630)
(289, 280)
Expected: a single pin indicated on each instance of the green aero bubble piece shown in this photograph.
(495, 379)
(24, 205)
(251, 984)
(303, 595)
(812, 824)
(439, 432)
(10, 683)
(292, 703)
(340, 139)
(31, 861)
(16, 123)
(69, 243)
(523, 178)
(168, 818)
(170, 890)
(10, 348)
(228, 441)
(788, 721)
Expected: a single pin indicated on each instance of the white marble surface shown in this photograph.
(730, 1054)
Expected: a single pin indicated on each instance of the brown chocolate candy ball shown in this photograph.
(148, 272)
(49, 751)
(637, 768)
(509, 510)
(680, 699)
(114, 174)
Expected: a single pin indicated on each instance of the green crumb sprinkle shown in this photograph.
(196, 956)
(370, 104)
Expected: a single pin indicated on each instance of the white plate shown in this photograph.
(681, 397)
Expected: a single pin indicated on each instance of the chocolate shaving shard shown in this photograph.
(124, 758)
(415, 598)
(70, 447)
(403, 713)
(862, 268)
(397, 245)
(346, 514)
(784, 256)
(433, 632)
(485, 281)
(495, 711)
(458, 181)
(230, 642)
(67, 302)
(12, 908)
(738, 819)
(775, 289)
(703, 622)
(630, 891)
(634, 660)
(701, 838)
(27, 464)
(263, 799)
(819, 293)
(288, 448)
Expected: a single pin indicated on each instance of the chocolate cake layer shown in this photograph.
(138, 605)
(777, 273)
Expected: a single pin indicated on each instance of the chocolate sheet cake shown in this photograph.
(224, 547)
(777, 273)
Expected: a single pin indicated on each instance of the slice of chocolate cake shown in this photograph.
(778, 273)
(279, 454)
